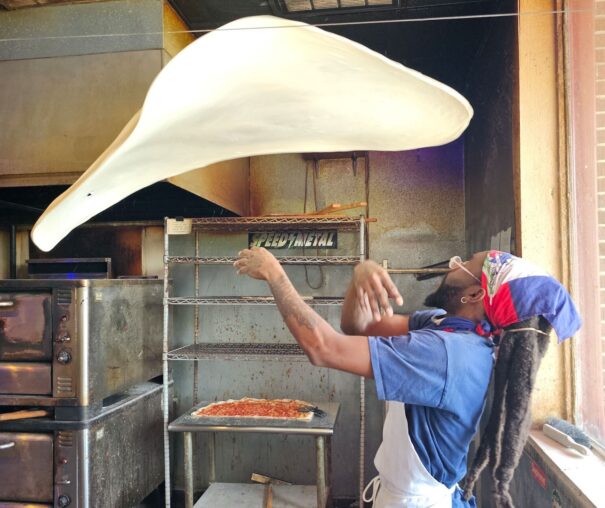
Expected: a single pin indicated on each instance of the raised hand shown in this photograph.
(374, 289)
(257, 263)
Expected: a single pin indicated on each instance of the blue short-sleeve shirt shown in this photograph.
(441, 371)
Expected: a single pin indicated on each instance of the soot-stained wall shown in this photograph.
(489, 142)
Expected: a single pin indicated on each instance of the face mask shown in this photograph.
(456, 262)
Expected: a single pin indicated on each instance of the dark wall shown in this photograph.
(536, 484)
(490, 161)
(489, 141)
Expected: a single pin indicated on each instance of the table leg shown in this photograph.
(212, 450)
(322, 484)
(329, 470)
(188, 466)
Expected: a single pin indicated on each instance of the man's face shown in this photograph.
(444, 297)
(459, 278)
(447, 295)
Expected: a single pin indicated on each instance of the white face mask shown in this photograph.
(456, 262)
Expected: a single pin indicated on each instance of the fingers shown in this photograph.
(380, 294)
(240, 266)
(255, 262)
(374, 291)
(362, 298)
(367, 302)
(251, 251)
(391, 289)
(374, 307)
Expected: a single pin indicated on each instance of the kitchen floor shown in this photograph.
(156, 500)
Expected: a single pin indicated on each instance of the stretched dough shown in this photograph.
(260, 85)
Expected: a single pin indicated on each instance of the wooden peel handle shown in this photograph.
(268, 498)
(21, 415)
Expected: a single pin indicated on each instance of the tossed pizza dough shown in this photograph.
(260, 85)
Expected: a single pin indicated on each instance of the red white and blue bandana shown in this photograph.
(517, 290)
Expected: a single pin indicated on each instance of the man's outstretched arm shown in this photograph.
(324, 346)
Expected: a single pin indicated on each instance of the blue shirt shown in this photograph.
(441, 371)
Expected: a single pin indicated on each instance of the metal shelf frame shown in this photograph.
(244, 300)
(301, 222)
(200, 351)
(237, 351)
(284, 260)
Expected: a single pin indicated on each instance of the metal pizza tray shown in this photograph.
(316, 426)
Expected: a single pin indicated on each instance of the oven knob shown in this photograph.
(63, 357)
(63, 500)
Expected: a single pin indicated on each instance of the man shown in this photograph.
(432, 367)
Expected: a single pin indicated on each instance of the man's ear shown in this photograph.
(475, 294)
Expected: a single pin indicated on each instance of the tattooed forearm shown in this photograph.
(291, 305)
(308, 328)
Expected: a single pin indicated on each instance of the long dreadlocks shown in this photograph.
(522, 347)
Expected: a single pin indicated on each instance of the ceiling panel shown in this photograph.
(441, 48)
(208, 14)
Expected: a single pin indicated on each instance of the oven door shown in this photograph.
(26, 327)
(4, 504)
(23, 505)
(26, 343)
(25, 378)
(26, 467)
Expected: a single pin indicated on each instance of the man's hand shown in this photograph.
(373, 287)
(258, 263)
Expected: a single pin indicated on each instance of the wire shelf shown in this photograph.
(236, 351)
(245, 300)
(246, 351)
(284, 260)
(260, 223)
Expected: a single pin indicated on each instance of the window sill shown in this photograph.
(582, 475)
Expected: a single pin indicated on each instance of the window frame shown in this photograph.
(583, 183)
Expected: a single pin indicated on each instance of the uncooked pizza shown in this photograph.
(282, 409)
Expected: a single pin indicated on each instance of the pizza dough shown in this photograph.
(271, 409)
(260, 85)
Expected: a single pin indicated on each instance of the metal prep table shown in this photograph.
(321, 428)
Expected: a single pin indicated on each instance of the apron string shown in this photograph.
(374, 485)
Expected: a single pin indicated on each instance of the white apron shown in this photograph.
(403, 481)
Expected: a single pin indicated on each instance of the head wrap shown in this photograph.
(517, 290)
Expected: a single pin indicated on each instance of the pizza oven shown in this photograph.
(69, 344)
(109, 459)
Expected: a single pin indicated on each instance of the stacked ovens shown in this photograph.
(86, 352)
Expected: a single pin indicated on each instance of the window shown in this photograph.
(585, 80)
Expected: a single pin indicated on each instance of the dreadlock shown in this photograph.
(501, 445)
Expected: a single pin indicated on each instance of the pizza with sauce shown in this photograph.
(282, 409)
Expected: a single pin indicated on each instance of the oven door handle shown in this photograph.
(6, 446)
(7, 303)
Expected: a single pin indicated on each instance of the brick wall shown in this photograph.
(600, 155)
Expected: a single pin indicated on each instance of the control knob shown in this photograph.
(63, 500)
(63, 356)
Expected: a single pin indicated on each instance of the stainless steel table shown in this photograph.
(321, 428)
